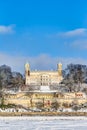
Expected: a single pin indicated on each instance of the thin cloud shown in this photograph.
(40, 62)
(76, 38)
(6, 29)
(80, 43)
(74, 33)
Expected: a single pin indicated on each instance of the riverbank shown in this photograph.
(44, 118)
(43, 113)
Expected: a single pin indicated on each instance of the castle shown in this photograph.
(43, 78)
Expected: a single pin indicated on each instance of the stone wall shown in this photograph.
(30, 99)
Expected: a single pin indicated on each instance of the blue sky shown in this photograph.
(43, 33)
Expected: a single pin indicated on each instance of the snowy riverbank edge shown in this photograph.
(47, 114)
(39, 118)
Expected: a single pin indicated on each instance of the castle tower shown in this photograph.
(59, 66)
(27, 74)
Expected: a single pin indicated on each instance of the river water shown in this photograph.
(43, 123)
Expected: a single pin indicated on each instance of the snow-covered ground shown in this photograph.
(43, 123)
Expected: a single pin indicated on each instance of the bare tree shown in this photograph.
(39, 105)
(55, 105)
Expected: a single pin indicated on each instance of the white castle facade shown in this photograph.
(43, 78)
